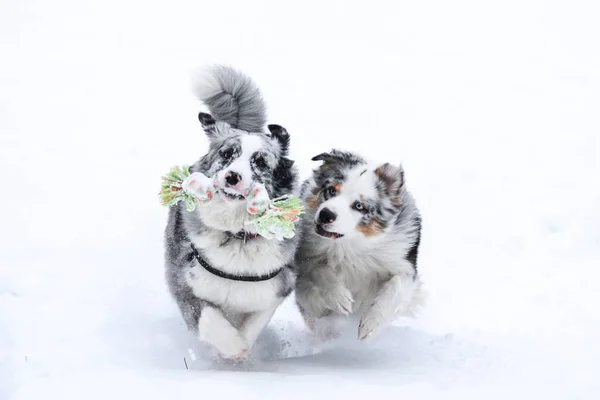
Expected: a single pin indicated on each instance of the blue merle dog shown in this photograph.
(360, 242)
(227, 280)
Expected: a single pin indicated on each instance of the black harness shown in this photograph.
(225, 275)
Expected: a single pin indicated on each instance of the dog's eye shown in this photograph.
(358, 206)
(260, 162)
(331, 191)
(227, 154)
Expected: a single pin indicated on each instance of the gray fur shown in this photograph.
(371, 276)
(232, 97)
(225, 313)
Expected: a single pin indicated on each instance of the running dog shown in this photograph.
(359, 247)
(227, 280)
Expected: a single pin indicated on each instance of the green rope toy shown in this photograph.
(272, 218)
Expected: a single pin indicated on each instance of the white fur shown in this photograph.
(225, 215)
(356, 185)
(366, 279)
(256, 322)
(394, 299)
(258, 299)
(242, 165)
(235, 296)
(359, 264)
(256, 256)
(358, 270)
(205, 84)
(216, 330)
(227, 313)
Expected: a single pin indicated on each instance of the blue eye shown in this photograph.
(358, 206)
(331, 191)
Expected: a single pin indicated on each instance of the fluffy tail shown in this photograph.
(232, 97)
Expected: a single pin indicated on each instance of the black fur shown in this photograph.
(413, 253)
(339, 157)
(206, 119)
(237, 115)
(284, 177)
(282, 136)
(335, 165)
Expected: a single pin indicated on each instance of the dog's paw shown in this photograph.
(370, 325)
(340, 301)
(328, 328)
(235, 349)
(241, 357)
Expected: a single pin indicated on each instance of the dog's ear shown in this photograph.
(392, 179)
(282, 136)
(215, 131)
(322, 157)
(206, 120)
(335, 156)
(208, 124)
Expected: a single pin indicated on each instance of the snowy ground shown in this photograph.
(492, 108)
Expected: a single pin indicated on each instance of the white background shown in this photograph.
(492, 108)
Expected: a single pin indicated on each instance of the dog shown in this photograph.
(357, 259)
(226, 280)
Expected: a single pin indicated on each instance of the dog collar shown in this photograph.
(225, 275)
(242, 235)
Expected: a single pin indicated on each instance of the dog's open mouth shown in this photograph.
(331, 235)
(231, 195)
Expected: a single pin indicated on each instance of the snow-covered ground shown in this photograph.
(492, 107)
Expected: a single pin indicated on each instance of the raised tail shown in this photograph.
(232, 97)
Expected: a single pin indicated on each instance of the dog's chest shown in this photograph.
(233, 296)
(362, 272)
(233, 256)
(239, 257)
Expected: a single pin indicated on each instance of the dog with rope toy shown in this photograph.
(226, 274)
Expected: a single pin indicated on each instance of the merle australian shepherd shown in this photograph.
(357, 260)
(226, 280)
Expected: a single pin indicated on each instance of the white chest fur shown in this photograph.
(232, 296)
(364, 267)
(254, 257)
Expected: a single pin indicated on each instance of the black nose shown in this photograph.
(326, 216)
(232, 178)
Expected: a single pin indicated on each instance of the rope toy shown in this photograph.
(272, 218)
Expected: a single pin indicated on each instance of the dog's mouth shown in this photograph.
(231, 195)
(331, 235)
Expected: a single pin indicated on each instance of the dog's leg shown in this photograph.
(255, 323)
(394, 299)
(329, 327)
(217, 331)
(320, 291)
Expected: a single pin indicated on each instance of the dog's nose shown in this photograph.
(326, 216)
(232, 178)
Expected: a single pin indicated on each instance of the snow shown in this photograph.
(491, 107)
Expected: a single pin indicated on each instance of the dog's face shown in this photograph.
(237, 159)
(352, 198)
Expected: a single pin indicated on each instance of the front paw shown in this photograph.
(242, 356)
(235, 349)
(339, 300)
(370, 324)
